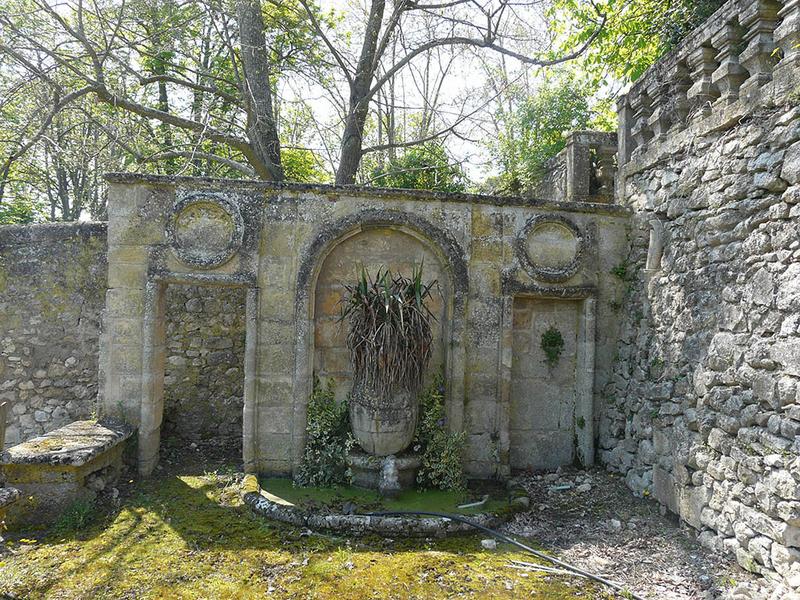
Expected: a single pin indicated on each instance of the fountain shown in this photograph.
(389, 340)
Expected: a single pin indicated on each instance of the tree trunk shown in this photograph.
(352, 140)
(3, 180)
(262, 131)
(199, 96)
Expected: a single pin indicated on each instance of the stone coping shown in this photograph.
(8, 495)
(72, 445)
(371, 192)
(265, 504)
(17, 235)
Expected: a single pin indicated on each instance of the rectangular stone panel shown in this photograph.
(542, 392)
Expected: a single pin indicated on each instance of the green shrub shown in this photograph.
(423, 167)
(328, 442)
(442, 452)
(552, 344)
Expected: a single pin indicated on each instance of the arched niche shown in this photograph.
(447, 259)
(372, 247)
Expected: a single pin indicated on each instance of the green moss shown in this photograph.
(189, 537)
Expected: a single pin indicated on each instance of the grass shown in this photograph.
(369, 501)
(76, 517)
(188, 536)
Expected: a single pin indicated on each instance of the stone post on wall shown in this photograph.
(590, 166)
(128, 348)
(579, 164)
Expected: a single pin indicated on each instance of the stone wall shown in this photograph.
(703, 410)
(204, 372)
(292, 246)
(52, 292)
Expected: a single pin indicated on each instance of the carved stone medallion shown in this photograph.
(550, 248)
(205, 230)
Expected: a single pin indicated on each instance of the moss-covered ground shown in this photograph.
(187, 535)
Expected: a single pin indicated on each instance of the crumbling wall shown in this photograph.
(703, 410)
(704, 406)
(52, 292)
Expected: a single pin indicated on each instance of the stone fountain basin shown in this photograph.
(316, 509)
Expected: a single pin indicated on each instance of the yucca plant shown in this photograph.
(390, 336)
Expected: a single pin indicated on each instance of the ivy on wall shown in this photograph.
(552, 345)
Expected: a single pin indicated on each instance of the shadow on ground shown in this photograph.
(185, 534)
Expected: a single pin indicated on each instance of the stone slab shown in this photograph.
(73, 445)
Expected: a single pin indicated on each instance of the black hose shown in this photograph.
(504, 538)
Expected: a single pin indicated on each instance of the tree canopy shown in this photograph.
(424, 167)
(411, 93)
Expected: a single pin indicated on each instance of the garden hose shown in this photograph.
(625, 593)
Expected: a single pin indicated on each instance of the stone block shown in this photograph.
(135, 256)
(481, 416)
(791, 165)
(275, 419)
(277, 358)
(274, 447)
(278, 239)
(124, 276)
(125, 302)
(52, 471)
(277, 332)
(665, 489)
(784, 560)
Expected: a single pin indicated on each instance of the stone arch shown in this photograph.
(330, 235)
(453, 273)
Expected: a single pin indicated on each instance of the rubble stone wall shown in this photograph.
(204, 371)
(703, 410)
(52, 293)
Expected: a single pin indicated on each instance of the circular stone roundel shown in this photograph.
(206, 230)
(550, 247)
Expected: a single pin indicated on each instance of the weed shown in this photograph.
(77, 516)
(623, 273)
(552, 344)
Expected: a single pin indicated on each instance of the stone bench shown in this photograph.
(8, 495)
(68, 464)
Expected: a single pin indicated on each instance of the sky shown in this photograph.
(464, 91)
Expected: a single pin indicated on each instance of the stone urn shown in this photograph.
(382, 426)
